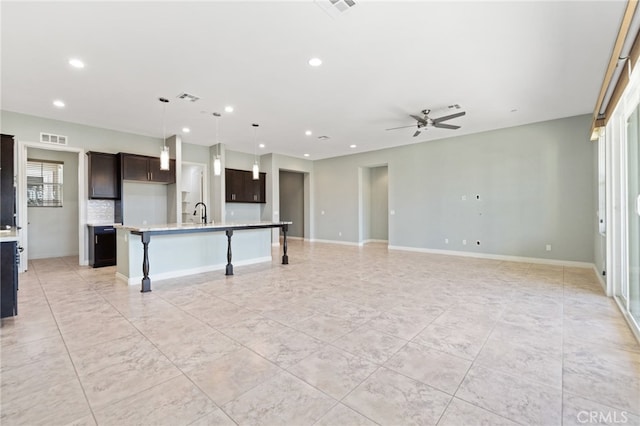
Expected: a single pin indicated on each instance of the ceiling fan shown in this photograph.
(425, 122)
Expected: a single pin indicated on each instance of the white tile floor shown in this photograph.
(341, 336)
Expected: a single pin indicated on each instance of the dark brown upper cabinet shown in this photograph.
(240, 187)
(104, 176)
(146, 169)
(7, 191)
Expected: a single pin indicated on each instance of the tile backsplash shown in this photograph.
(100, 211)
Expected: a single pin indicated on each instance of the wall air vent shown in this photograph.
(188, 97)
(54, 139)
(335, 7)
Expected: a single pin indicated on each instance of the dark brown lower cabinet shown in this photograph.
(9, 260)
(102, 246)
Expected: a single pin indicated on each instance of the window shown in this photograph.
(44, 183)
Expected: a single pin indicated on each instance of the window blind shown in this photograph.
(44, 183)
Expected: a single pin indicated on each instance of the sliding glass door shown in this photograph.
(633, 214)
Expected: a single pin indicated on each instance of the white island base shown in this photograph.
(176, 250)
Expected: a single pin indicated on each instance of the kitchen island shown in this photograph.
(185, 249)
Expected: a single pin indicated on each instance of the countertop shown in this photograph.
(193, 226)
(8, 235)
(102, 224)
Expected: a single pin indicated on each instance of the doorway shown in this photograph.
(292, 202)
(374, 204)
(193, 190)
(75, 175)
(54, 227)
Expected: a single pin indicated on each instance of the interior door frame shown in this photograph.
(22, 199)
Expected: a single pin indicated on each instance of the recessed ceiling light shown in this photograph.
(306, 155)
(76, 63)
(261, 145)
(228, 108)
(186, 129)
(315, 62)
(352, 146)
(308, 133)
(58, 103)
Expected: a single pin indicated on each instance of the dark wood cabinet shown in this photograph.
(146, 169)
(234, 184)
(162, 176)
(7, 190)
(256, 189)
(135, 167)
(9, 259)
(102, 246)
(104, 176)
(240, 187)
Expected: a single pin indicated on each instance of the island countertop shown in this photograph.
(181, 249)
(200, 226)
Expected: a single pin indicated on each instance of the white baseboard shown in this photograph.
(497, 257)
(184, 272)
(601, 279)
(344, 243)
(374, 241)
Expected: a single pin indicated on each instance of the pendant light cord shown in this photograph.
(217, 116)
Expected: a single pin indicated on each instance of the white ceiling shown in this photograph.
(382, 60)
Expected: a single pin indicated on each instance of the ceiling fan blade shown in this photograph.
(401, 127)
(416, 133)
(445, 126)
(448, 117)
(419, 119)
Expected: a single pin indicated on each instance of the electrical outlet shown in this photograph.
(464, 242)
(446, 241)
(392, 212)
(464, 198)
(339, 234)
(548, 247)
(322, 212)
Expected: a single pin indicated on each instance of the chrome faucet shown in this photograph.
(204, 215)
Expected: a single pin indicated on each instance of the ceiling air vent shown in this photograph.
(54, 139)
(335, 7)
(323, 137)
(188, 97)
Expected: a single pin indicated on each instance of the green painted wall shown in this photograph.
(534, 182)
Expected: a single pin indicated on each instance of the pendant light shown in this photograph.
(217, 164)
(164, 154)
(256, 167)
